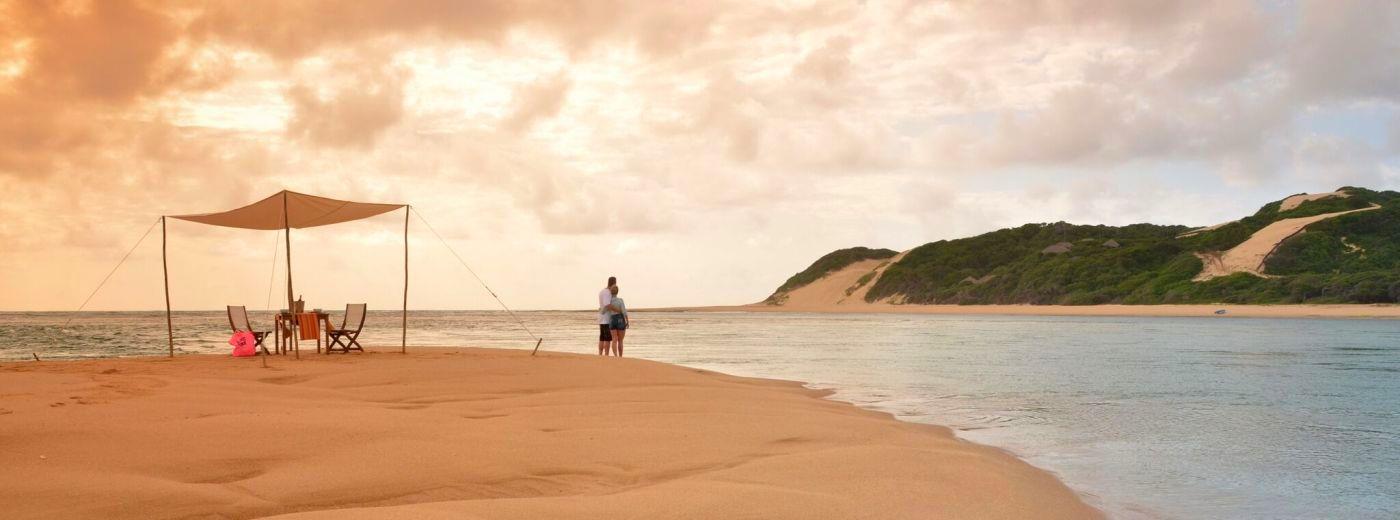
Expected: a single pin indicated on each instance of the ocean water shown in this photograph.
(1145, 417)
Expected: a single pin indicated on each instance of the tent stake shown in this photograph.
(537, 346)
(403, 345)
(165, 271)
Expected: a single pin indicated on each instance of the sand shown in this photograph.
(1249, 256)
(1298, 200)
(1200, 230)
(858, 295)
(1340, 311)
(837, 286)
(475, 433)
(841, 287)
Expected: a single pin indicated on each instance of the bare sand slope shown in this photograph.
(1286, 204)
(859, 295)
(1298, 200)
(841, 287)
(1198, 231)
(1249, 256)
(476, 434)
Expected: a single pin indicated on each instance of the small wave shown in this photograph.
(1388, 370)
(1245, 353)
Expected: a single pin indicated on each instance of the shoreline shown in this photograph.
(1329, 311)
(450, 432)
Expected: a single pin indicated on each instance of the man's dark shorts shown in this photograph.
(603, 333)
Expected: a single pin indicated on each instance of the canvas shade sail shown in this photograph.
(282, 211)
(298, 209)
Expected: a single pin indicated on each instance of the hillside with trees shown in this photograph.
(1352, 255)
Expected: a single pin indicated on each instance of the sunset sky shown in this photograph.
(701, 151)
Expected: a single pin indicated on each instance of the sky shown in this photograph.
(700, 151)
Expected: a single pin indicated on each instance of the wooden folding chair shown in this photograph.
(238, 319)
(346, 336)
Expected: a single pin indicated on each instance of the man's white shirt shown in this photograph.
(604, 300)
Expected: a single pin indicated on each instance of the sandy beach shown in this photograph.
(477, 433)
(1348, 311)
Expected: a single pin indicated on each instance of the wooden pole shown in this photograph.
(403, 345)
(165, 270)
(291, 302)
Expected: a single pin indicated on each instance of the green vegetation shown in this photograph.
(833, 261)
(1354, 258)
(1231, 235)
(1089, 273)
(864, 279)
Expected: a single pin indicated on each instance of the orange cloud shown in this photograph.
(109, 51)
(539, 100)
(353, 116)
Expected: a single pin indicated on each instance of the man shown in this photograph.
(605, 317)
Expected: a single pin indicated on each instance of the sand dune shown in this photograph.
(858, 296)
(1298, 200)
(1200, 230)
(1249, 256)
(1286, 204)
(468, 433)
(842, 287)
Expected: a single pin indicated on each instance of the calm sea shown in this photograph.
(1146, 417)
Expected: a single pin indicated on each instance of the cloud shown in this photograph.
(1395, 134)
(829, 64)
(290, 30)
(35, 134)
(1346, 50)
(1227, 44)
(71, 64)
(1335, 161)
(107, 51)
(539, 100)
(351, 116)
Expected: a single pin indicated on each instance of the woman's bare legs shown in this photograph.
(617, 341)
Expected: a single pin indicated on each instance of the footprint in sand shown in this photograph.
(286, 380)
(484, 416)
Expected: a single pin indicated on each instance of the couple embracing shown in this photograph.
(612, 320)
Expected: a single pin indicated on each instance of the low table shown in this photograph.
(285, 328)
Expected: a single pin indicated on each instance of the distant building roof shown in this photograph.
(1057, 248)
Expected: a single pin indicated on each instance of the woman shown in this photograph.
(620, 321)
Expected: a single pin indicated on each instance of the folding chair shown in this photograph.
(345, 336)
(238, 319)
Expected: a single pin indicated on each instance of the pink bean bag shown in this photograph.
(244, 344)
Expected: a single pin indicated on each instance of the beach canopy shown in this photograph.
(284, 211)
(289, 209)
